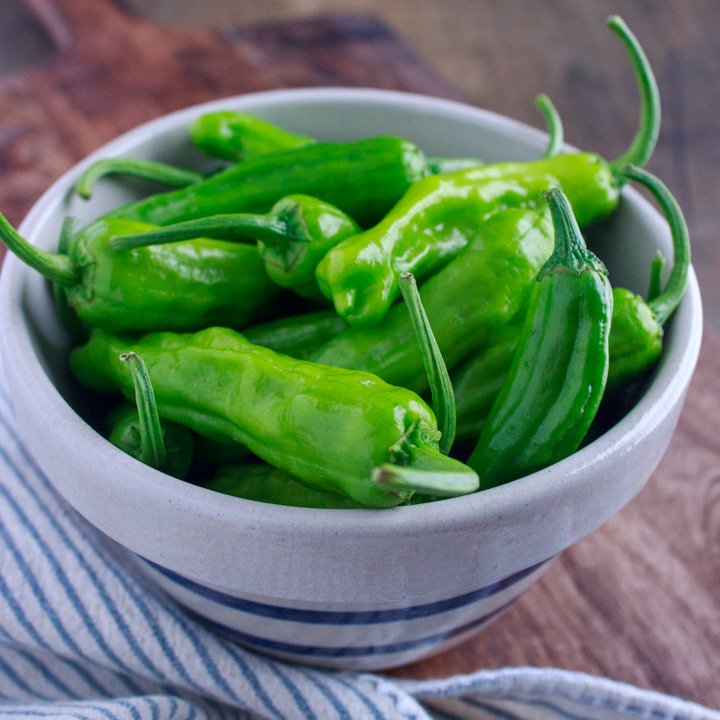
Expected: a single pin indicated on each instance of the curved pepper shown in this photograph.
(636, 332)
(558, 374)
(292, 238)
(364, 179)
(470, 300)
(333, 429)
(420, 233)
(176, 287)
(237, 136)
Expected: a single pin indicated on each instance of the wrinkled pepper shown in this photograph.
(635, 336)
(330, 428)
(184, 286)
(467, 302)
(292, 238)
(558, 374)
(364, 179)
(422, 232)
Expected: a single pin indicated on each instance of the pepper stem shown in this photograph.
(570, 252)
(443, 397)
(152, 442)
(274, 228)
(145, 169)
(643, 144)
(55, 267)
(665, 303)
(554, 124)
(657, 268)
(428, 472)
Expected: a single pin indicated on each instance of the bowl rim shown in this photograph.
(666, 389)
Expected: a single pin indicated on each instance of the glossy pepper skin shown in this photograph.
(467, 302)
(299, 335)
(559, 370)
(636, 333)
(265, 483)
(237, 136)
(292, 238)
(635, 344)
(364, 179)
(330, 428)
(422, 232)
(184, 286)
(360, 275)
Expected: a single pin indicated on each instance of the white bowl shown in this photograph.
(351, 589)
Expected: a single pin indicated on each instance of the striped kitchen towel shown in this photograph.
(82, 636)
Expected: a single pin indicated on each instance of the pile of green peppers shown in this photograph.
(358, 325)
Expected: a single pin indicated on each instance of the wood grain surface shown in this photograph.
(639, 600)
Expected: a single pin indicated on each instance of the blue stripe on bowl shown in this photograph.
(345, 617)
(355, 651)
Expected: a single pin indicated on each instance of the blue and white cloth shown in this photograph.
(84, 637)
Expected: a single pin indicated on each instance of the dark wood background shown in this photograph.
(639, 600)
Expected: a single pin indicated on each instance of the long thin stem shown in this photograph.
(554, 125)
(643, 144)
(665, 303)
(443, 397)
(152, 443)
(244, 227)
(55, 267)
(145, 169)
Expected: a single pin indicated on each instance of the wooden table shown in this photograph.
(639, 600)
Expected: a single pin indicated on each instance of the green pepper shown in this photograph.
(333, 429)
(138, 430)
(468, 302)
(559, 370)
(635, 336)
(176, 287)
(299, 335)
(292, 238)
(423, 231)
(237, 136)
(364, 179)
(265, 483)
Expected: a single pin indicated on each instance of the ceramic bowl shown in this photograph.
(350, 589)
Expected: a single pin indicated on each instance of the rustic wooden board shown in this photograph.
(639, 600)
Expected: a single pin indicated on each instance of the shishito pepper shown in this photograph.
(331, 428)
(299, 335)
(264, 483)
(468, 302)
(364, 179)
(559, 370)
(237, 136)
(635, 335)
(183, 286)
(292, 238)
(422, 232)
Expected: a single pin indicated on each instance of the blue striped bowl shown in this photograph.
(353, 588)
